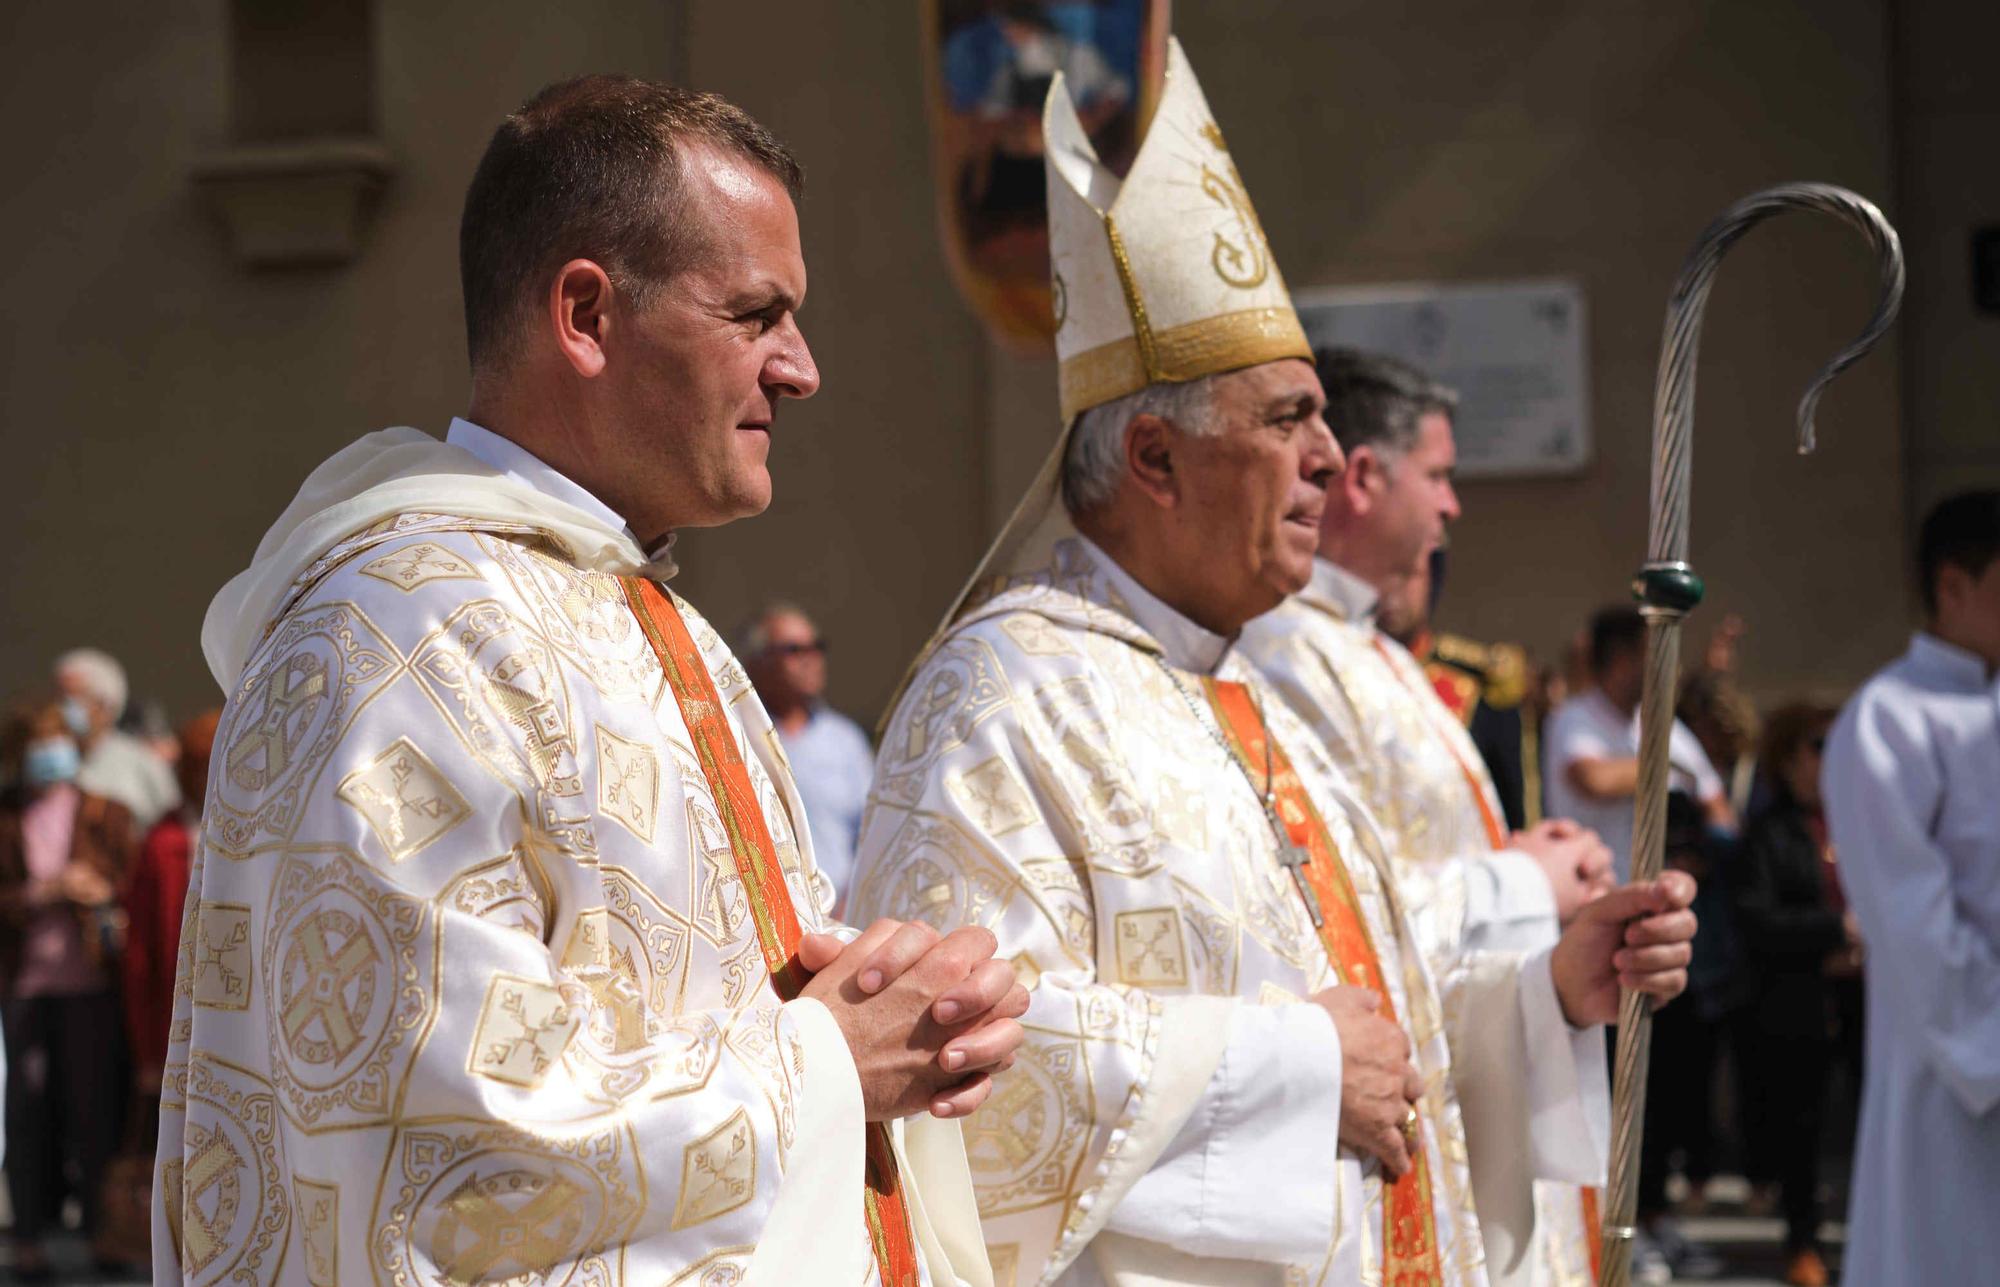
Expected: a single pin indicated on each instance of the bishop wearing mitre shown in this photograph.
(1239, 1066)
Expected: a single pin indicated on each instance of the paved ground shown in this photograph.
(1752, 1249)
(1749, 1247)
(71, 1261)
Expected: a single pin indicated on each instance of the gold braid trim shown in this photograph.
(1135, 303)
(1188, 352)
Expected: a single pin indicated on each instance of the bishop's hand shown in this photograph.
(1378, 1084)
(1574, 858)
(1637, 936)
(928, 1020)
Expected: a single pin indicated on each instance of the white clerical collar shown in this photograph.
(1185, 644)
(1340, 592)
(517, 462)
(1949, 662)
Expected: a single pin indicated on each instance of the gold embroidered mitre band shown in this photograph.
(1164, 276)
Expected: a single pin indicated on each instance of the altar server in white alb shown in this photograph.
(1237, 1068)
(1468, 885)
(498, 961)
(1912, 789)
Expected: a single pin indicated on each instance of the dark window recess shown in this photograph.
(1986, 268)
(301, 69)
(294, 182)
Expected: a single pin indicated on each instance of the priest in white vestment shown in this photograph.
(1912, 789)
(1238, 1067)
(1331, 652)
(498, 961)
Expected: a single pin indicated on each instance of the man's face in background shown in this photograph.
(1418, 500)
(791, 670)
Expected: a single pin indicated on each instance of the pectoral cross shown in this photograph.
(1295, 858)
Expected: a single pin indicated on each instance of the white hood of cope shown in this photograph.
(387, 473)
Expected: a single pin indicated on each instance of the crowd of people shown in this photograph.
(1757, 1071)
(101, 799)
(1220, 919)
(1743, 1066)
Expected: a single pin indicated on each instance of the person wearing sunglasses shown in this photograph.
(832, 761)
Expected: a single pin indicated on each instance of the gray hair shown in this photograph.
(753, 637)
(103, 678)
(1373, 400)
(1095, 460)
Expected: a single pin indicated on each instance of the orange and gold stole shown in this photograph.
(1496, 836)
(1410, 1254)
(771, 907)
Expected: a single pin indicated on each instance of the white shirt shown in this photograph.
(1589, 727)
(832, 765)
(1912, 789)
(517, 462)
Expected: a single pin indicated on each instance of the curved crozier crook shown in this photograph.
(1667, 588)
(1673, 395)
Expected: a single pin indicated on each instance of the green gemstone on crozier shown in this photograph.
(1676, 589)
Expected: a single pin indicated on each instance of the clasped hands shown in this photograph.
(1636, 936)
(1573, 857)
(929, 1019)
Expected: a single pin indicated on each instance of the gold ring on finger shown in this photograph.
(1409, 1128)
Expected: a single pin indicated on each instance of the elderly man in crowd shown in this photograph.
(116, 765)
(1237, 1067)
(503, 961)
(1468, 884)
(832, 762)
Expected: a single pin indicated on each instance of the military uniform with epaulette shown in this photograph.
(1486, 686)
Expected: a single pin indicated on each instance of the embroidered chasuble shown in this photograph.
(1409, 1232)
(487, 971)
(1053, 774)
(1411, 761)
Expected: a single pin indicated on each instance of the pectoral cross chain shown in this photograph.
(1295, 858)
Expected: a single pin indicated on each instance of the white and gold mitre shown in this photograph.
(1162, 276)
(1165, 276)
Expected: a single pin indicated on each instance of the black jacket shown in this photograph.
(1788, 929)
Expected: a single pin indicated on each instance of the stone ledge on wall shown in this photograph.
(294, 202)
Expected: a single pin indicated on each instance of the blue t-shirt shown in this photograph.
(833, 764)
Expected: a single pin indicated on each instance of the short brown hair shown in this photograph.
(1961, 531)
(591, 168)
(1374, 400)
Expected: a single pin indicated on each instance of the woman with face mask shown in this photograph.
(63, 855)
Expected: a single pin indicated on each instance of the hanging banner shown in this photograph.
(988, 66)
